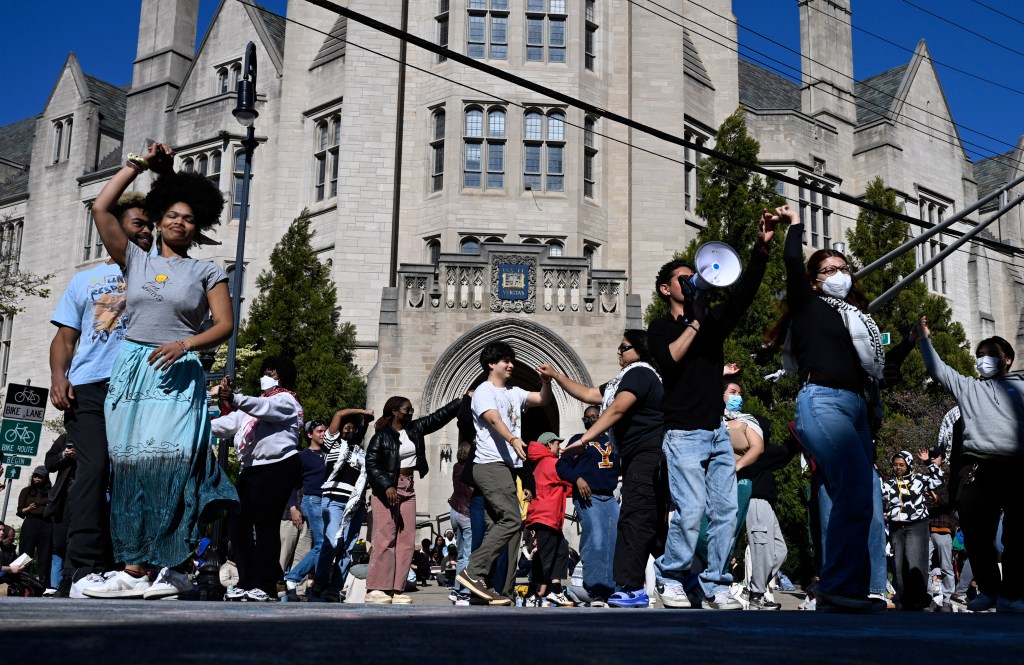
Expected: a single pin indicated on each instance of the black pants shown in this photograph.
(87, 511)
(910, 558)
(987, 488)
(37, 541)
(641, 526)
(551, 561)
(263, 493)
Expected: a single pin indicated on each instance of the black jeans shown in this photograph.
(987, 488)
(263, 493)
(87, 511)
(641, 527)
(910, 557)
(37, 540)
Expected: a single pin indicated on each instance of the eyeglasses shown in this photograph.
(831, 270)
(623, 348)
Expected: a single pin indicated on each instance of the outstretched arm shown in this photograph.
(586, 394)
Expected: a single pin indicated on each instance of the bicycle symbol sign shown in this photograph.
(24, 409)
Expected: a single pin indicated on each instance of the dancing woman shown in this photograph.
(165, 478)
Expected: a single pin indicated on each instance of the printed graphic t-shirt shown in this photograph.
(166, 296)
(94, 305)
(490, 447)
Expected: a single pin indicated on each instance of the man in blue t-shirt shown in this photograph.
(91, 315)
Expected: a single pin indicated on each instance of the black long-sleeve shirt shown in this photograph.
(821, 343)
(693, 385)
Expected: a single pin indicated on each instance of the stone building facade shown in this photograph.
(494, 213)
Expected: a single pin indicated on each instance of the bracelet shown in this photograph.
(134, 167)
(182, 345)
(693, 328)
(190, 342)
(137, 162)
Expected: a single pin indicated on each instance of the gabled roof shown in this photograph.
(334, 45)
(763, 89)
(992, 172)
(15, 187)
(692, 63)
(274, 25)
(875, 95)
(112, 100)
(16, 141)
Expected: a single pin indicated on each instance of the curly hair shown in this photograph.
(128, 201)
(194, 189)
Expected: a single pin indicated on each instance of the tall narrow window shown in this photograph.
(484, 147)
(544, 151)
(67, 138)
(590, 38)
(92, 247)
(589, 158)
(202, 165)
(442, 26)
(58, 136)
(437, 152)
(214, 174)
(222, 80)
(327, 141)
(691, 158)
(488, 29)
(236, 73)
(10, 246)
(335, 152)
(6, 325)
(187, 165)
(434, 252)
(545, 30)
(815, 212)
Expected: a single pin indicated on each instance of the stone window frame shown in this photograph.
(543, 177)
(467, 240)
(815, 208)
(691, 160)
(443, 25)
(590, 165)
(488, 142)
(326, 155)
(932, 209)
(228, 74)
(545, 16)
(492, 44)
(62, 128)
(438, 128)
(6, 329)
(207, 162)
(92, 243)
(12, 232)
(590, 27)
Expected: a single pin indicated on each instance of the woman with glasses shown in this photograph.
(836, 349)
(631, 415)
(393, 454)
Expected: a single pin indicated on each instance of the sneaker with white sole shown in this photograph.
(89, 581)
(256, 596)
(234, 594)
(723, 600)
(169, 583)
(119, 585)
(982, 603)
(559, 599)
(377, 597)
(401, 599)
(673, 595)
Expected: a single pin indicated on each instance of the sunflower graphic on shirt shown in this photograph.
(155, 285)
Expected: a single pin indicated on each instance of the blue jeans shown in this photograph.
(833, 427)
(337, 545)
(314, 515)
(598, 519)
(876, 534)
(56, 569)
(462, 525)
(701, 480)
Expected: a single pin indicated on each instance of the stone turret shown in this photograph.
(826, 47)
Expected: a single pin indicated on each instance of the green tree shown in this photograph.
(294, 316)
(17, 285)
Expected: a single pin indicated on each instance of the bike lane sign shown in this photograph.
(22, 425)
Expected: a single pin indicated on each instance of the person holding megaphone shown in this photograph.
(687, 344)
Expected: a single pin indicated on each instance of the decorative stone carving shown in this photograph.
(415, 290)
(526, 304)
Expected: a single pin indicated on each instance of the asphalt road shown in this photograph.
(43, 630)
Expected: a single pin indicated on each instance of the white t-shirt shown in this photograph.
(490, 446)
(406, 451)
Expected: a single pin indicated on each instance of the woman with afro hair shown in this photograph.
(165, 479)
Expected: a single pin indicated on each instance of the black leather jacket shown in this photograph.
(382, 460)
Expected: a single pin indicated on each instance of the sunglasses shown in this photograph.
(623, 348)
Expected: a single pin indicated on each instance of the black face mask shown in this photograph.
(589, 422)
(405, 419)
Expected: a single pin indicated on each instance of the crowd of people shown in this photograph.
(669, 474)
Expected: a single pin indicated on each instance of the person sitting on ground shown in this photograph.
(422, 560)
(546, 515)
(905, 511)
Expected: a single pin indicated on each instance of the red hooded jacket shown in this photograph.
(548, 505)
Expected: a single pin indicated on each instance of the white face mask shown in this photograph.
(838, 285)
(267, 382)
(988, 366)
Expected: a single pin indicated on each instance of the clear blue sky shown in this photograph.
(40, 33)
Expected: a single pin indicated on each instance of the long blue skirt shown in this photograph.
(165, 479)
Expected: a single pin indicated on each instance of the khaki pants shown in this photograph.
(393, 538)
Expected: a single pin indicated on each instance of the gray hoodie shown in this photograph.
(992, 409)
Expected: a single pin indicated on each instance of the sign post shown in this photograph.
(20, 430)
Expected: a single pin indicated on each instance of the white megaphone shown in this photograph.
(718, 266)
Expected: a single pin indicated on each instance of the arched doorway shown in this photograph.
(458, 369)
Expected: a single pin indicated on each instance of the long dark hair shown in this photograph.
(638, 339)
(393, 404)
(777, 333)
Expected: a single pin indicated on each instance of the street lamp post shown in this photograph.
(246, 114)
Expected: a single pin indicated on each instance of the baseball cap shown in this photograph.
(549, 437)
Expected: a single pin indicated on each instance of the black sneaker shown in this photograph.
(759, 602)
(64, 588)
(476, 587)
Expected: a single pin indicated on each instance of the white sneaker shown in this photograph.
(723, 600)
(234, 594)
(168, 584)
(120, 585)
(377, 597)
(673, 595)
(89, 581)
(50, 591)
(256, 596)
(559, 600)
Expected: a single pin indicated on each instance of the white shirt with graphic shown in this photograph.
(490, 446)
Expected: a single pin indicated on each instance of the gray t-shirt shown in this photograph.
(166, 296)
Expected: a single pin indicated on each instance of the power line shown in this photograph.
(589, 108)
(964, 28)
(981, 150)
(993, 9)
